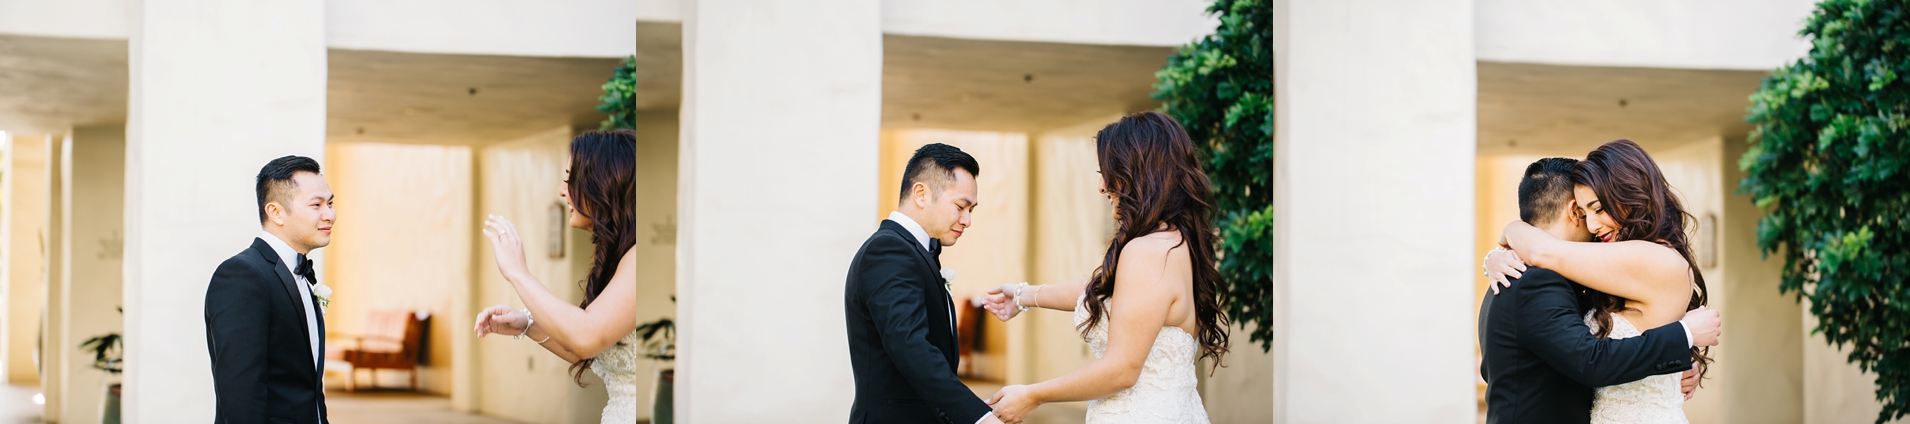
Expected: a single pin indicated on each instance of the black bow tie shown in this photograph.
(304, 269)
(935, 248)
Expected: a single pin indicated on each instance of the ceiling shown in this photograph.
(934, 82)
(50, 84)
(380, 96)
(1568, 110)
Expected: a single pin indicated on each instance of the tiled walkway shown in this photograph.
(398, 407)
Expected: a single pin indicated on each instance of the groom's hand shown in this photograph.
(1704, 325)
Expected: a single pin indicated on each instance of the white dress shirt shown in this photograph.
(289, 259)
(921, 237)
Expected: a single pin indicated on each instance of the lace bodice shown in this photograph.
(1167, 391)
(1652, 400)
(618, 368)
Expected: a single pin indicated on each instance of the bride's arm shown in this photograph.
(1143, 295)
(585, 333)
(1634, 269)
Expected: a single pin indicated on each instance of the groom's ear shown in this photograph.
(920, 191)
(275, 213)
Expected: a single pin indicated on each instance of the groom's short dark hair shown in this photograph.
(275, 179)
(1547, 186)
(935, 165)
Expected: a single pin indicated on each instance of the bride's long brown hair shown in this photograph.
(1153, 170)
(603, 170)
(1634, 193)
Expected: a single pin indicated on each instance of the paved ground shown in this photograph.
(16, 404)
(397, 407)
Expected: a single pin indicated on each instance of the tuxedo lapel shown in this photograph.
(286, 281)
(935, 271)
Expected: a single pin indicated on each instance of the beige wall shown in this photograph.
(1693, 170)
(1072, 226)
(777, 178)
(26, 203)
(656, 231)
(1379, 163)
(404, 243)
(517, 379)
(94, 194)
(994, 251)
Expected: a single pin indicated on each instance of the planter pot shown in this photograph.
(663, 399)
(109, 405)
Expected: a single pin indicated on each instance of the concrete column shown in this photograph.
(780, 127)
(218, 88)
(92, 195)
(54, 338)
(1765, 373)
(1374, 149)
(26, 204)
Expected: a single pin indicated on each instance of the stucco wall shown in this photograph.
(26, 203)
(517, 379)
(95, 193)
(404, 238)
(1704, 34)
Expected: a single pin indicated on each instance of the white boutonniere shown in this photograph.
(948, 278)
(323, 294)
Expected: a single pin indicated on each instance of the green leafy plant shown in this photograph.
(659, 348)
(108, 351)
(1829, 163)
(1221, 89)
(620, 97)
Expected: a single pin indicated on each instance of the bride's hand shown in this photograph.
(1002, 304)
(1502, 265)
(507, 245)
(1013, 404)
(501, 320)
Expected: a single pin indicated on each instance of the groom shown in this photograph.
(264, 328)
(902, 340)
(1541, 361)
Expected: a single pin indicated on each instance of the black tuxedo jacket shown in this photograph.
(262, 365)
(1541, 361)
(902, 341)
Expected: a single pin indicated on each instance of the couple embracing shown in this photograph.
(265, 307)
(1603, 306)
(1148, 312)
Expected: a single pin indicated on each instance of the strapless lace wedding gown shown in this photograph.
(1167, 391)
(618, 368)
(1652, 400)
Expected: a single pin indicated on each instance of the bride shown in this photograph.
(1638, 268)
(599, 334)
(1153, 306)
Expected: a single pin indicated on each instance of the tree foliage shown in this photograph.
(620, 97)
(1220, 88)
(1828, 162)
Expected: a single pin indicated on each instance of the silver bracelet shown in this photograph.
(528, 320)
(1018, 305)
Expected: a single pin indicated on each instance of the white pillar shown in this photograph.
(218, 88)
(780, 127)
(1374, 149)
(25, 285)
(92, 194)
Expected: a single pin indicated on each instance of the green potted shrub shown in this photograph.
(659, 344)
